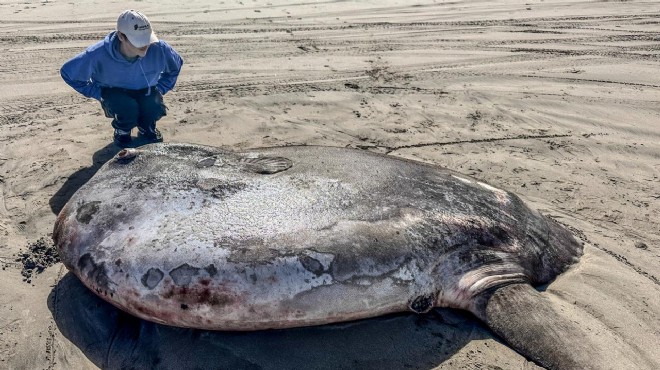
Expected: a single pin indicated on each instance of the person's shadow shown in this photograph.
(80, 177)
(113, 339)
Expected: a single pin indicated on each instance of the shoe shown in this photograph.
(122, 138)
(150, 136)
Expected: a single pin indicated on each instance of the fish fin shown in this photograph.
(267, 165)
(545, 332)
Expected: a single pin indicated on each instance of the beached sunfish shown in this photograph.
(196, 236)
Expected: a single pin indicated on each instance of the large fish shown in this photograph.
(195, 236)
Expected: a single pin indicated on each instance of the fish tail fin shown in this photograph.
(549, 334)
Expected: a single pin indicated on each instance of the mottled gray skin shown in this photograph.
(195, 236)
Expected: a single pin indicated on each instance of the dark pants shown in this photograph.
(131, 108)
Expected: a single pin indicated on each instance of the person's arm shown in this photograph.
(169, 76)
(77, 73)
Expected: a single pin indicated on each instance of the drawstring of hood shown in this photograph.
(112, 44)
(145, 78)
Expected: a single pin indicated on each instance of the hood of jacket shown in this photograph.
(111, 44)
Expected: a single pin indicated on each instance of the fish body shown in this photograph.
(196, 236)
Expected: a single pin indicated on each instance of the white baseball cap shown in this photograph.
(136, 27)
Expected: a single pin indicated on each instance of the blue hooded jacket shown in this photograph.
(102, 65)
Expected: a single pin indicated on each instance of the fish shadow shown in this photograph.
(113, 339)
(80, 177)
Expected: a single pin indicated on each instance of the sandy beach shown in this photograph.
(557, 101)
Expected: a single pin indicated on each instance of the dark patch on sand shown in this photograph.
(39, 256)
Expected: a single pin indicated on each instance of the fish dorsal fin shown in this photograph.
(266, 165)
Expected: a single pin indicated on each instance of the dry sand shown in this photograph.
(557, 101)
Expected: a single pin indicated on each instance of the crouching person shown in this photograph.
(128, 72)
